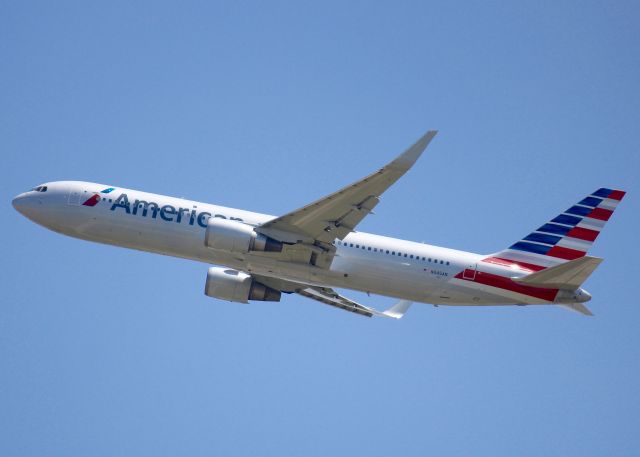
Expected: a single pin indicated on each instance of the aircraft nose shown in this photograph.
(27, 204)
(20, 202)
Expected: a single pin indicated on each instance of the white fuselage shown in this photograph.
(176, 227)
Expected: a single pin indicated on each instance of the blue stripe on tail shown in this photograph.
(590, 201)
(604, 193)
(531, 247)
(542, 238)
(567, 220)
(568, 235)
(579, 210)
(554, 228)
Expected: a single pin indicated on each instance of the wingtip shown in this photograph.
(411, 155)
(398, 310)
(427, 137)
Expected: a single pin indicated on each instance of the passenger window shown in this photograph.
(387, 251)
(393, 252)
(411, 256)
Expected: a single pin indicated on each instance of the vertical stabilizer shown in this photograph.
(566, 237)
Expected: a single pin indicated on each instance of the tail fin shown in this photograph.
(566, 237)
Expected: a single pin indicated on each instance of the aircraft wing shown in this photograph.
(331, 297)
(336, 215)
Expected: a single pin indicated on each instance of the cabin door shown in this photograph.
(74, 197)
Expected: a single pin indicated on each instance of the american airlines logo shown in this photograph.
(167, 213)
(95, 198)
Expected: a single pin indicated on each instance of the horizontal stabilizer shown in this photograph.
(568, 275)
(578, 308)
(329, 296)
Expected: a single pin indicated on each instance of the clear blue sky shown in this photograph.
(266, 106)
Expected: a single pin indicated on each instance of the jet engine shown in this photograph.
(236, 286)
(234, 236)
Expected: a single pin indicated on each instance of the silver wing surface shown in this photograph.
(329, 296)
(336, 215)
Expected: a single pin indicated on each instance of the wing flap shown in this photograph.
(331, 297)
(334, 299)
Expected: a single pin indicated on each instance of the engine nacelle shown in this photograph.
(234, 236)
(233, 285)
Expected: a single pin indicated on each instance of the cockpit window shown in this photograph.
(40, 189)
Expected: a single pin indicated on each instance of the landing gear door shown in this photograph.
(470, 272)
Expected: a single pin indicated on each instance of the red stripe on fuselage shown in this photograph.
(510, 263)
(504, 283)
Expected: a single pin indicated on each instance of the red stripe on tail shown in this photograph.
(565, 253)
(617, 195)
(600, 213)
(583, 234)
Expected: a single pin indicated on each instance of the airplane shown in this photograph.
(315, 249)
